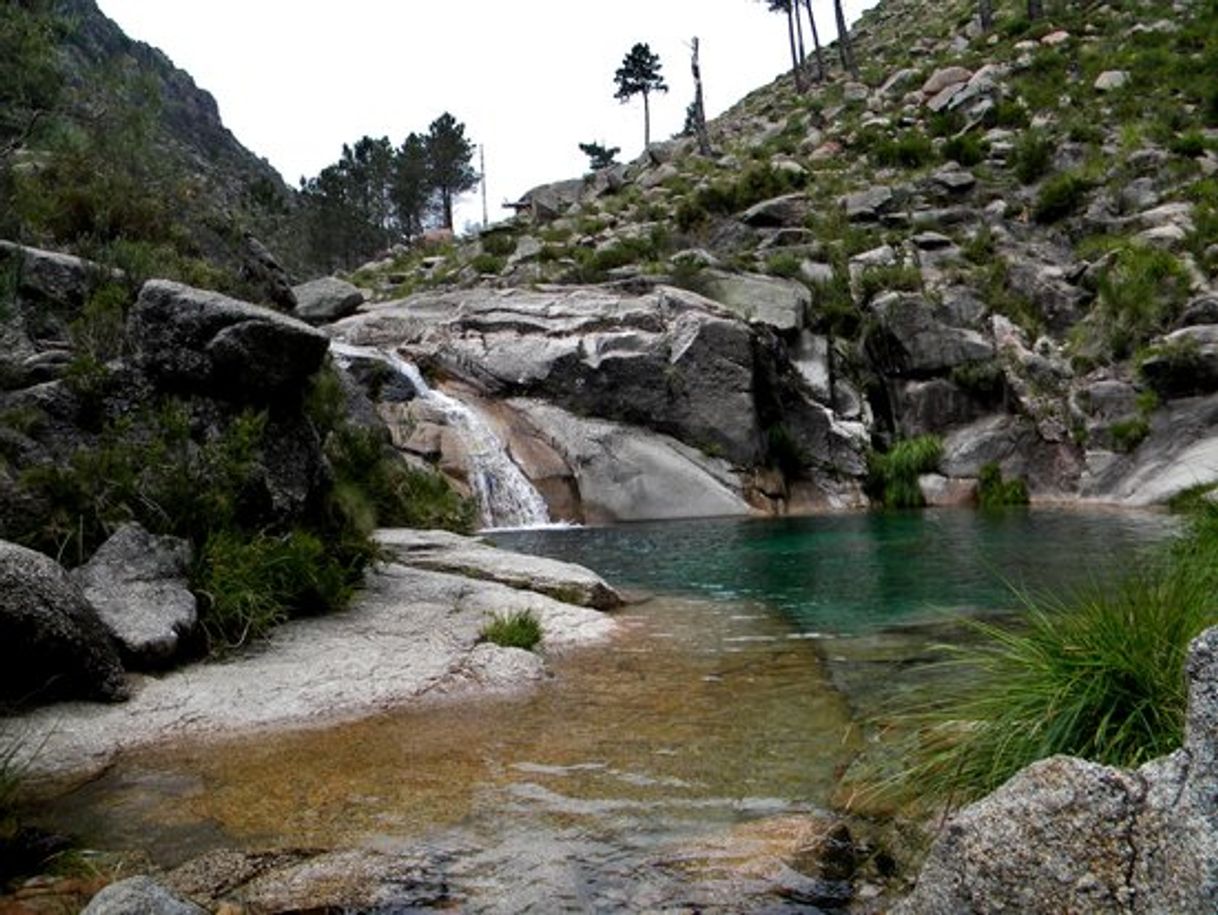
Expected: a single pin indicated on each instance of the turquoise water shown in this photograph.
(847, 573)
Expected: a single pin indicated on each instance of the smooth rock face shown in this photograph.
(137, 584)
(1066, 835)
(671, 361)
(327, 299)
(410, 633)
(208, 342)
(140, 896)
(52, 644)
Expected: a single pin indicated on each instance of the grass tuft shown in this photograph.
(894, 475)
(520, 629)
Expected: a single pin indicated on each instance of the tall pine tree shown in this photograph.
(639, 74)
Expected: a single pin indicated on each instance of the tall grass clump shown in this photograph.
(894, 475)
(1098, 673)
(520, 629)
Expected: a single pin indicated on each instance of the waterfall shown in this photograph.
(505, 496)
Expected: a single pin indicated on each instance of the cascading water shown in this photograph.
(505, 496)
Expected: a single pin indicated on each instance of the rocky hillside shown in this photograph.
(1006, 241)
(126, 146)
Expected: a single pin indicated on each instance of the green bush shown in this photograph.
(1032, 155)
(893, 477)
(1141, 292)
(895, 277)
(968, 150)
(783, 264)
(912, 149)
(1192, 144)
(499, 244)
(1006, 113)
(994, 492)
(1127, 434)
(984, 380)
(249, 585)
(488, 263)
(1097, 674)
(520, 629)
(1060, 196)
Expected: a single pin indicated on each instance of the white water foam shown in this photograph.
(506, 498)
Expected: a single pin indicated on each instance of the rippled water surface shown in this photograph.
(718, 705)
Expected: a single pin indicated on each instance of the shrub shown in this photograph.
(1096, 673)
(1032, 155)
(968, 149)
(499, 244)
(1059, 197)
(1127, 434)
(893, 477)
(783, 264)
(1140, 292)
(520, 629)
(1192, 144)
(1008, 113)
(994, 492)
(982, 379)
(875, 280)
(912, 149)
(488, 263)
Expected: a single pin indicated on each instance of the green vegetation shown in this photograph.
(912, 149)
(1141, 291)
(994, 492)
(1097, 674)
(1032, 155)
(498, 244)
(756, 183)
(520, 629)
(488, 263)
(1127, 434)
(1060, 196)
(968, 150)
(893, 476)
(895, 277)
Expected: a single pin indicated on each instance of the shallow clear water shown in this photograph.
(714, 708)
(850, 573)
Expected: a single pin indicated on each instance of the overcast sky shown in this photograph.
(530, 79)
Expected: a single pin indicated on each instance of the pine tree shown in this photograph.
(449, 158)
(412, 191)
(599, 156)
(639, 74)
(788, 7)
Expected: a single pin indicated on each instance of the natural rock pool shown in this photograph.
(728, 698)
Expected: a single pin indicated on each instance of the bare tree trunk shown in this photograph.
(799, 32)
(704, 144)
(646, 121)
(985, 11)
(1036, 9)
(796, 70)
(843, 39)
(820, 55)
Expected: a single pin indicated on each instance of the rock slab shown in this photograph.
(137, 584)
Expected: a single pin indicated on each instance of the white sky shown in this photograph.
(530, 79)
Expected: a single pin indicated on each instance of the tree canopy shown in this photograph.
(640, 74)
(377, 194)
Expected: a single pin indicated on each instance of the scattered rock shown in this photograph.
(327, 299)
(868, 205)
(1111, 79)
(945, 78)
(788, 210)
(137, 584)
(52, 645)
(140, 896)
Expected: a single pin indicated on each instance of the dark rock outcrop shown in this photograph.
(207, 343)
(52, 645)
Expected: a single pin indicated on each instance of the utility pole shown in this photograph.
(482, 169)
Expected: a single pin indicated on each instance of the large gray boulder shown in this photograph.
(205, 342)
(137, 584)
(326, 299)
(52, 645)
(778, 303)
(912, 339)
(1066, 835)
(140, 896)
